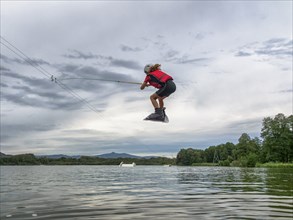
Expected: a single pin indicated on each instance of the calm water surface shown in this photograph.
(145, 192)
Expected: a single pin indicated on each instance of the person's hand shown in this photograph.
(143, 85)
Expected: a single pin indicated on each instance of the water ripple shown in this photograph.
(145, 192)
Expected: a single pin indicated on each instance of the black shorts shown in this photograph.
(167, 89)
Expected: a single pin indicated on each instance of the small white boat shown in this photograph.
(167, 165)
(127, 164)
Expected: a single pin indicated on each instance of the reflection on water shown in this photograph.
(145, 192)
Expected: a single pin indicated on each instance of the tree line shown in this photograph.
(276, 146)
(31, 159)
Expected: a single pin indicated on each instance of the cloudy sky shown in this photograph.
(231, 61)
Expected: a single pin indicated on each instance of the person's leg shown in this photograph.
(158, 114)
(161, 102)
(163, 93)
(154, 98)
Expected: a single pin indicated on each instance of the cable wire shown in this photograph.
(107, 80)
(22, 55)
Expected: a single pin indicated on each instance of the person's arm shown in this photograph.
(143, 85)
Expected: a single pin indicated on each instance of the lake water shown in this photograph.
(145, 192)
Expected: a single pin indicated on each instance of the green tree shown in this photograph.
(242, 148)
(184, 157)
(277, 134)
(210, 153)
(189, 156)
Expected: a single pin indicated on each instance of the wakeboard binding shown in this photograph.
(159, 115)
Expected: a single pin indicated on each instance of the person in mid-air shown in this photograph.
(164, 83)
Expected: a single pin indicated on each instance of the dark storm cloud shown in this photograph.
(69, 68)
(276, 41)
(126, 63)
(3, 85)
(286, 91)
(158, 42)
(185, 60)
(200, 35)
(2, 68)
(41, 101)
(36, 92)
(170, 54)
(75, 54)
(5, 137)
(242, 54)
(22, 129)
(5, 58)
(79, 71)
(109, 59)
(31, 81)
(24, 61)
(245, 125)
(174, 56)
(93, 80)
(19, 128)
(87, 70)
(275, 52)
(45, 94)
(126, 48)
(276, 47)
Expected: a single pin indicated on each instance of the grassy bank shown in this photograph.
(275, 165)
(205, 164)
(266, 165)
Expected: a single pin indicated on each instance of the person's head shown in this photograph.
(150, 68)
(147, 68)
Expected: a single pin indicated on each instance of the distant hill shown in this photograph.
(4, 155)
(117, 155)
(57, 156)
(106, 156)
(112, 155)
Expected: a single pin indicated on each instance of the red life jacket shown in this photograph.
(157, 78)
